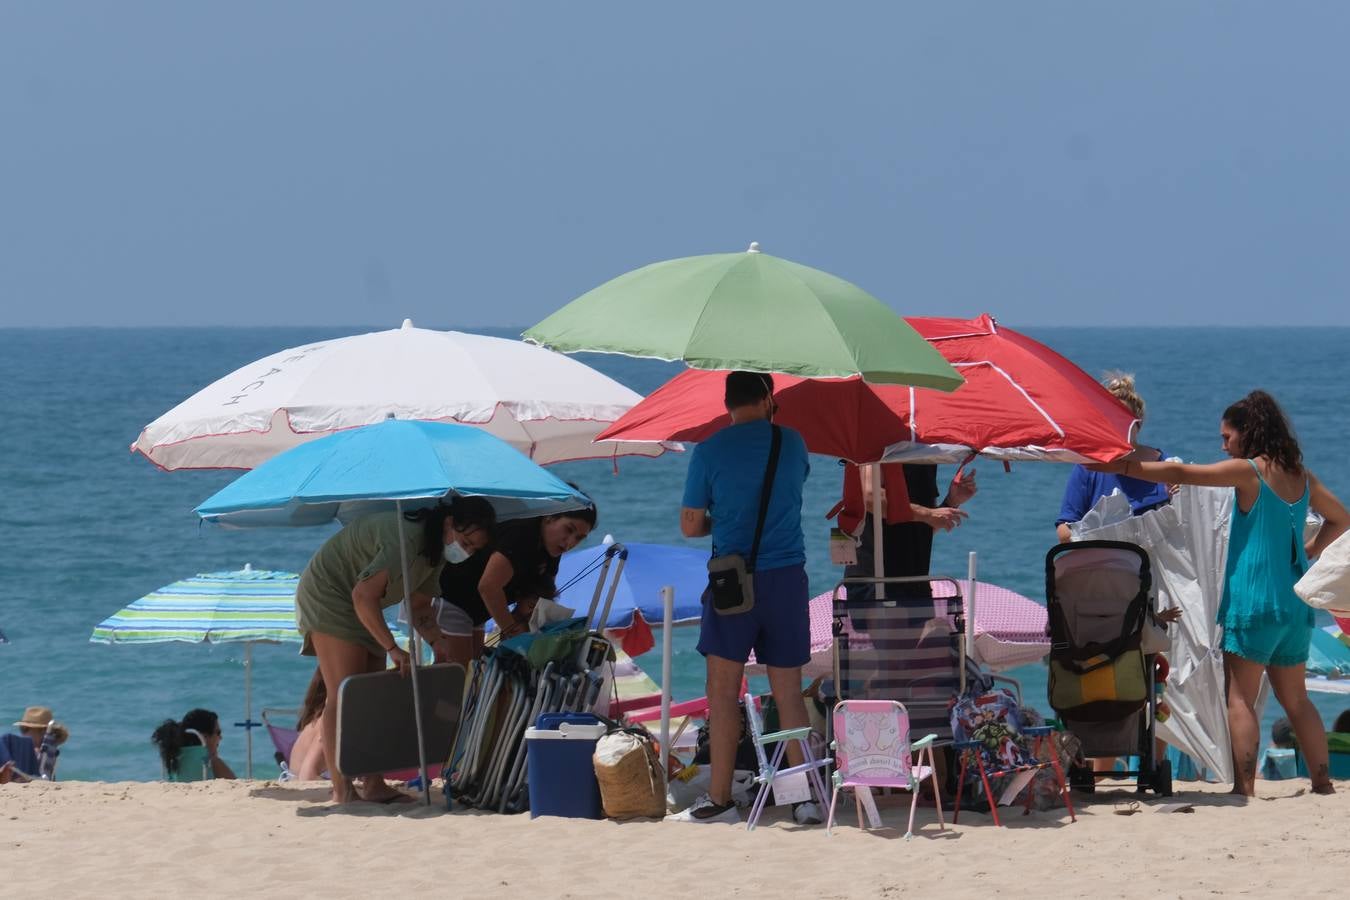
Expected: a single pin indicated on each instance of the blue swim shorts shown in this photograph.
(778, 628)
(1270, 645)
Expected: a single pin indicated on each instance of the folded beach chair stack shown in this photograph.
(566, 666)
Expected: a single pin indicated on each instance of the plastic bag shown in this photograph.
(1326, 584)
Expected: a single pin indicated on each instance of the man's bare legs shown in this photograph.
(786, 685)
(724, 725)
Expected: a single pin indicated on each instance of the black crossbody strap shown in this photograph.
(775, 444)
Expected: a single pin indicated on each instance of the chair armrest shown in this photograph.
(696, 708)
(1038, 730)
(790, 734)
(634, 703)
(966, 745)
(923, 742)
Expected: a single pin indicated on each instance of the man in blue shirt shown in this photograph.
(722, 498)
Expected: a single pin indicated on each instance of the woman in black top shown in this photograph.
(505, 583)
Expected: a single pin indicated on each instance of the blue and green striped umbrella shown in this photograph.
(246, 606)
(217, 607)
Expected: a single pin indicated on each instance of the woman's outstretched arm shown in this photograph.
(1236, 473)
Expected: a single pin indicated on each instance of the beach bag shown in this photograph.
(1326, 584)
(628, 770)
(1100, 688)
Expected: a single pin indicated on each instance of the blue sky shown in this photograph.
(472, 164)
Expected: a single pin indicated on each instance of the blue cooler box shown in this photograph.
(559, 749)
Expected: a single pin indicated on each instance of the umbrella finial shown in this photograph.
(407, 323)
(754, 247)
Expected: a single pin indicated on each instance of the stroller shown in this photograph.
(1102, 656)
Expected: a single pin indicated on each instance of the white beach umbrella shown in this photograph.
(547, 405)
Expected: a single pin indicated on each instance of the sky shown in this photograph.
(469, 164)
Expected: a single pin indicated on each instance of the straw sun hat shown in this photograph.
(41, 717)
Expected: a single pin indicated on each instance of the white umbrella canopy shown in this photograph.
(547, 405)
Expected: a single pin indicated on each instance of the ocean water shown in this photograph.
(86, 528)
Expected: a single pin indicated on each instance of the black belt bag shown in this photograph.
(731, 578)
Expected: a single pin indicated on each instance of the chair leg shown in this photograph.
(813, 773)
(829, 819)
(1059, 773)
(988, 792)
(960, 784)
(857, 806)
(757, 808)
(937, 792)
(913, 807)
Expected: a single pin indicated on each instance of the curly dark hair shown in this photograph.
(468, 513)
(1264, 430)
(171, 737)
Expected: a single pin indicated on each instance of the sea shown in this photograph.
(86, 527)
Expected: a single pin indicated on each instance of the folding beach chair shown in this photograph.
(908, 647)
(992, 742)
(283, 738)
(872, 749)
(770, 768)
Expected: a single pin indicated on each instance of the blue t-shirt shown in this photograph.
(726, 474)
(1085, 488)
(19, 748)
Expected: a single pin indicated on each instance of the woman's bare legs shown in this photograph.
(337, 660)
(464, 648)
(1242, 678)
(1292, 692)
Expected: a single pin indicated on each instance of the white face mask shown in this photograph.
(455, 553)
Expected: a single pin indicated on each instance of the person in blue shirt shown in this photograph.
(1085, 487)
(722, 499)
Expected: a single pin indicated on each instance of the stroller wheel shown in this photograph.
(1162, 778)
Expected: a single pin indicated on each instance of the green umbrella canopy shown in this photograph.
(748, 311)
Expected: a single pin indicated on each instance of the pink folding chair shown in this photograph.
(872, 750)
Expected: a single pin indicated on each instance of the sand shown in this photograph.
(217, 839)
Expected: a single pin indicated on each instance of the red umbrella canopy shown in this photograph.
(1021, 400)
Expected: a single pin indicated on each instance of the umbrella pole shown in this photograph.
(413, 652)
(878, 541)
(970, 614)
(667, 644)
(248, 708)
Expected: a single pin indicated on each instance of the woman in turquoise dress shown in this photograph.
(1266, 627)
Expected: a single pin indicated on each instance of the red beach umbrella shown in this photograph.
(1021, 401)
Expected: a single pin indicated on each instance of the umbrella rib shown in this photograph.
(1021, 390)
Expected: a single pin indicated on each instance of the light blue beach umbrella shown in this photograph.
(246, 606)
(400, 464)
(397, 462)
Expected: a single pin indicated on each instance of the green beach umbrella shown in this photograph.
(748, 311)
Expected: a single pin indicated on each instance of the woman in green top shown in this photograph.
(357, 573)
(1266, 627)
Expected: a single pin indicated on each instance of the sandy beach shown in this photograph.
(259, 838)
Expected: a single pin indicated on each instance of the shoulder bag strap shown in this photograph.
(775, 444)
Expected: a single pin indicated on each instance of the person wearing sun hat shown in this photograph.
(24, 750)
